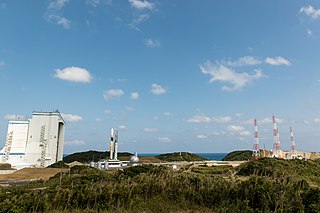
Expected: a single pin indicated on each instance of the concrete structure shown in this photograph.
(36, 142)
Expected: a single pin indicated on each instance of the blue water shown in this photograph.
(209, 156)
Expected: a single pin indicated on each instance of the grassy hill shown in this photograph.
(238, 155)
(180, 156)
(95, 156)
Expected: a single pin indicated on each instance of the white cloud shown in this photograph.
(269, 120)
(13, 117)
(245, 133)
(141, 4)
(164, 139)
(130, 108)
(309, 32)
(71, 118)
(93, 3)
(316, 120)
(75, 74)
(112, 93)
(147, 129)
(60, 20)
(98, 119)
(245, 61)
(306, 122)
(221, 119)
(311, 12)
(219, 72)
(199, 119)
(58, 4)
(107, 111)
(152, 43)
(123, 127)
(202, 136)
(236, 128)
(157, 89)
(167, 114)
(134, 95)
(155, 118)
(277, 61)
(74, 142)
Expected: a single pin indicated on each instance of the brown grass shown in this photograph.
(32, 174)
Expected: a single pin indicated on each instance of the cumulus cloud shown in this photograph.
(60, 20)
(71, 118)
(245, 61)
(130, 108)
(316, 120)
(152, 43)
(93, 3)
(147, 129)
(134, 95)
(75, 74)
(54, 14)
(167, 114)
(74, 142)
(164, 139)
(123, 127)
(221, 73)
(112, 93)
(241, 130)
(58, 4)
(199, 119)
(141, 4)
(158, 89)
(107, 111)
(221, 119)
(269, 120)
(277, 61)
(311, 12)
(202, 136)
(13, 117)
(309, 32)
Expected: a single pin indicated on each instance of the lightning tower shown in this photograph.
(256, 149)
(276, 140)
(293, 151)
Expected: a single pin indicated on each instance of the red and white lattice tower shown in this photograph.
(276, 140)
(256, 148)
(293, 145)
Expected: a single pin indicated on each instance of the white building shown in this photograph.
(36, 142)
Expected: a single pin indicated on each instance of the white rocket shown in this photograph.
(113, 144)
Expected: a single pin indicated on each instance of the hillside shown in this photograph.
(264, 185)
(180, 156)
(238, 155)
(95, 156)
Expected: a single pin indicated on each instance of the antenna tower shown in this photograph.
(256, 149)
(276, 140)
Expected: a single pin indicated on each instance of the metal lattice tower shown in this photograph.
(43, 144)
(256, 148)
(7, 147)
(276, 140)
(293, 144)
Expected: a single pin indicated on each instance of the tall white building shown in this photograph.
(36, 142)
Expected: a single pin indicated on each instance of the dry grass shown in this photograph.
(32, 174)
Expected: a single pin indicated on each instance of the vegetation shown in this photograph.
(5, 166)
(264, 185)
(85, 157)
(180, 156)
(238, 156)
(59, 164)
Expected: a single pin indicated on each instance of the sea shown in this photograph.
(209, 156)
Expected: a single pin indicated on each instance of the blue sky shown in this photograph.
(170, 75)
